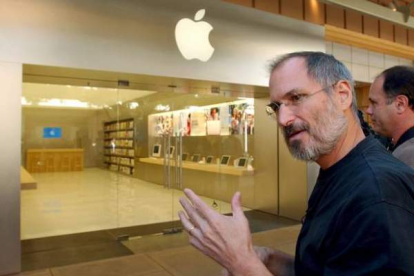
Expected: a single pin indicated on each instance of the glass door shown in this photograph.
(123, 153)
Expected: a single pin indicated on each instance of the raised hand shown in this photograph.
(226, 239)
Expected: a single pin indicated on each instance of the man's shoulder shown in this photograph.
(385, 179)
(405, 152)
(381, 162)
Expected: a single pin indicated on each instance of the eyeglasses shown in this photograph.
(295, 99)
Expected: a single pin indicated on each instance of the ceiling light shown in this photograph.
(63, 103)
(404, 9)
(133, 105)
(161, 107)
(392, 6)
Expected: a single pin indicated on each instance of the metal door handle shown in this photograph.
(177, 179)
(169, 161)
(181, 160)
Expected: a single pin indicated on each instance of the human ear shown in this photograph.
(345, 94)
(401, 103)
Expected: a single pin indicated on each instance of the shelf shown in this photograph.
(54, 150)
(122, 138)
(121, 134)
(215, 168)
(117, 155)
(124, 129)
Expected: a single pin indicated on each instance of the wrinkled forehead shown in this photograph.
(291, 75)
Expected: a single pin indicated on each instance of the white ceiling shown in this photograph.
(78, 97)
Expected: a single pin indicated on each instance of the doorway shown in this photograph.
(110, 155)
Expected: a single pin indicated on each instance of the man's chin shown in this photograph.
(299, 152)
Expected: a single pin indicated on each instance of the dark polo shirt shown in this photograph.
(360, 218)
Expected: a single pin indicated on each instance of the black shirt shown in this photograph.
(360, 218)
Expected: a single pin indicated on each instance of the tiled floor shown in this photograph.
(71, 249)
(95, 199)
(78, 217)
(182, 261)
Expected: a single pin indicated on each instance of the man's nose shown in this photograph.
(368, 110)
(285, 115)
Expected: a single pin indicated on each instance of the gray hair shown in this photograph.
(324, 69)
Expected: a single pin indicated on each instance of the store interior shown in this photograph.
(94, 145)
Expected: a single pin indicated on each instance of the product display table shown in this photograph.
(27, 181)
(214, 168)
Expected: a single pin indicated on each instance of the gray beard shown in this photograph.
(323, 137)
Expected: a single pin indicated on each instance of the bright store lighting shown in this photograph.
(25, 102)
(62, 103)
(133, 105)
(161, 107)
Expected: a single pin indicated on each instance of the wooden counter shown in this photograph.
(214, 168)
(54, 160)
(26, 180)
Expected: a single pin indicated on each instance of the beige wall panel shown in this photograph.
(293, 194)
(401, 35)
(370, 26)
(353, 21)
(292, 8)
(362, 94)
(80, 129)
(363, 41)
(10, 143)
(410, 37)
(247, 3)
(386, 30)
(314, 12)
(268, 5)
(265, 159)
(335, 16)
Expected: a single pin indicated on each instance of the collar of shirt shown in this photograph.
(405, 137)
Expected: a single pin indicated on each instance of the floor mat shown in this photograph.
(70, 249)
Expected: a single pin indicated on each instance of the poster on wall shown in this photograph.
(198, 123)
(225, 120)
(161, 124)
(242, 118)
(183, 123)
(213, 127)
(213, 121)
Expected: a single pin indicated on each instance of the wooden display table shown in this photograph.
(26, 180)
(215, 168)
(54, 160)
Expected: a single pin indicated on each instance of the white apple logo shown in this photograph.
(192, 38)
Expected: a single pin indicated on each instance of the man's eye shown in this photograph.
(297, 98)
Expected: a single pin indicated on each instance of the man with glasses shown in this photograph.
(360, 217)
(391, 107)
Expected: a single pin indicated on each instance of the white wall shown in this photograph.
(138, 37)
(364, 65)
(10, 120)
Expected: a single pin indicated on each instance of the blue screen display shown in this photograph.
(52, 132)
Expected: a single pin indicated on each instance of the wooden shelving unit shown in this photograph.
(119, 150)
